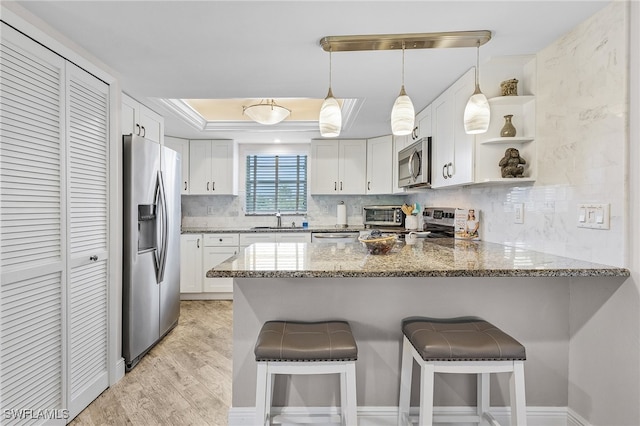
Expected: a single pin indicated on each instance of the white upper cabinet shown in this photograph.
(423, 126)
(338, 166)
(212, 168)
(453, 149)
(139, 120)
(379, 169)
(181, 146)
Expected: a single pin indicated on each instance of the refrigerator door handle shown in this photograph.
(164, 228)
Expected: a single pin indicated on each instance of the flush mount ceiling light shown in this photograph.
(402, 113)
(330, 121)
(266, 113)
(477, 113)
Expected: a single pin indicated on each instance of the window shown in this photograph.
(276, 183)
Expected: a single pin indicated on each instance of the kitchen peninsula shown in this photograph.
(526, 293)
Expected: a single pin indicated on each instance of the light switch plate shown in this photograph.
(518, 210)
(594, 216)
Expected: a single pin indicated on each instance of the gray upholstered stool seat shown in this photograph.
(298, 341)
(457, 339)
(289, 347)
(466, 345)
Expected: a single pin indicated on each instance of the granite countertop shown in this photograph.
(321, 228)
(430, 257)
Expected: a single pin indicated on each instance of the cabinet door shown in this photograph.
(182, 147)
(200, 167)
(379, 165)
(423, 122)
(222, 162)
(128, 116)
(33, 281)
(442, 149)
(324, 167)
(151, 124)
(87, 219)
(353, 167)
(191, 263)
(213, 256)
(464, 144)
(399, 143)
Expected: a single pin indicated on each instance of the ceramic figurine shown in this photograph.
(510, 164)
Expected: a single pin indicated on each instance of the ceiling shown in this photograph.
(270, 49)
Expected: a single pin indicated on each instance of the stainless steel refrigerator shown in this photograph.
(151, 246)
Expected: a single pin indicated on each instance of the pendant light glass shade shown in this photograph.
(330, 120)
(477, 113)
(266, 113)
(402, 113)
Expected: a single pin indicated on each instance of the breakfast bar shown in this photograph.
(528, 294)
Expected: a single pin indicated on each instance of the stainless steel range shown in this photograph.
(440, 221)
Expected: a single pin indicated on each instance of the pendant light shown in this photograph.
(477, 113)
(330, 121)
(402, 114)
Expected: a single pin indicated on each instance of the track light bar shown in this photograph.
(350, 43)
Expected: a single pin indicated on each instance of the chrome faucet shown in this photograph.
(279, 219)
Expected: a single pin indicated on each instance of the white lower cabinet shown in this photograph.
(217, 249)
(198, 254)
(191, 263)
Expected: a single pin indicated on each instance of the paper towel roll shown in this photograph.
(342, 215)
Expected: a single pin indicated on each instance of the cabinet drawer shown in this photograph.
(222, 240)
(248, 239)
(293, 237)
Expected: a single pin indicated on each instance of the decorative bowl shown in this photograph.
(379, 244)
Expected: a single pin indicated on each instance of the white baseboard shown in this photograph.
(207, 296)
(387, 416)
(575, 419)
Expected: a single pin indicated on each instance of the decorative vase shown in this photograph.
(508, 131)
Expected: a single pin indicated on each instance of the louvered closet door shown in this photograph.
(87, 165)
(32, 246)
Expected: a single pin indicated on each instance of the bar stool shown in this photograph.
(460, 345)
(285, 347)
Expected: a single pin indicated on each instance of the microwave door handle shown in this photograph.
(411, 164)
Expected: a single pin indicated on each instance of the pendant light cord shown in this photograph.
(330, 50)
(478, 64)
(403, 64)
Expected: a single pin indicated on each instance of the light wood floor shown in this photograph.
(184, 380)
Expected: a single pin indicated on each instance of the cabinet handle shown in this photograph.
(144, 131)
(198, 243)
(414, 133)
(207, 186)
(369, 186)
(448, 168)
(185, 185)
(340, 185)
(335, 186)
(138, 129)
(220, 239)
(444, 173)
(213, 186)
(93, 258)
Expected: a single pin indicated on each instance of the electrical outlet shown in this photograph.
(595, 216)
(211, 210)
(518, 209)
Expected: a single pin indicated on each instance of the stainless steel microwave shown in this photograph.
(414, 164)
